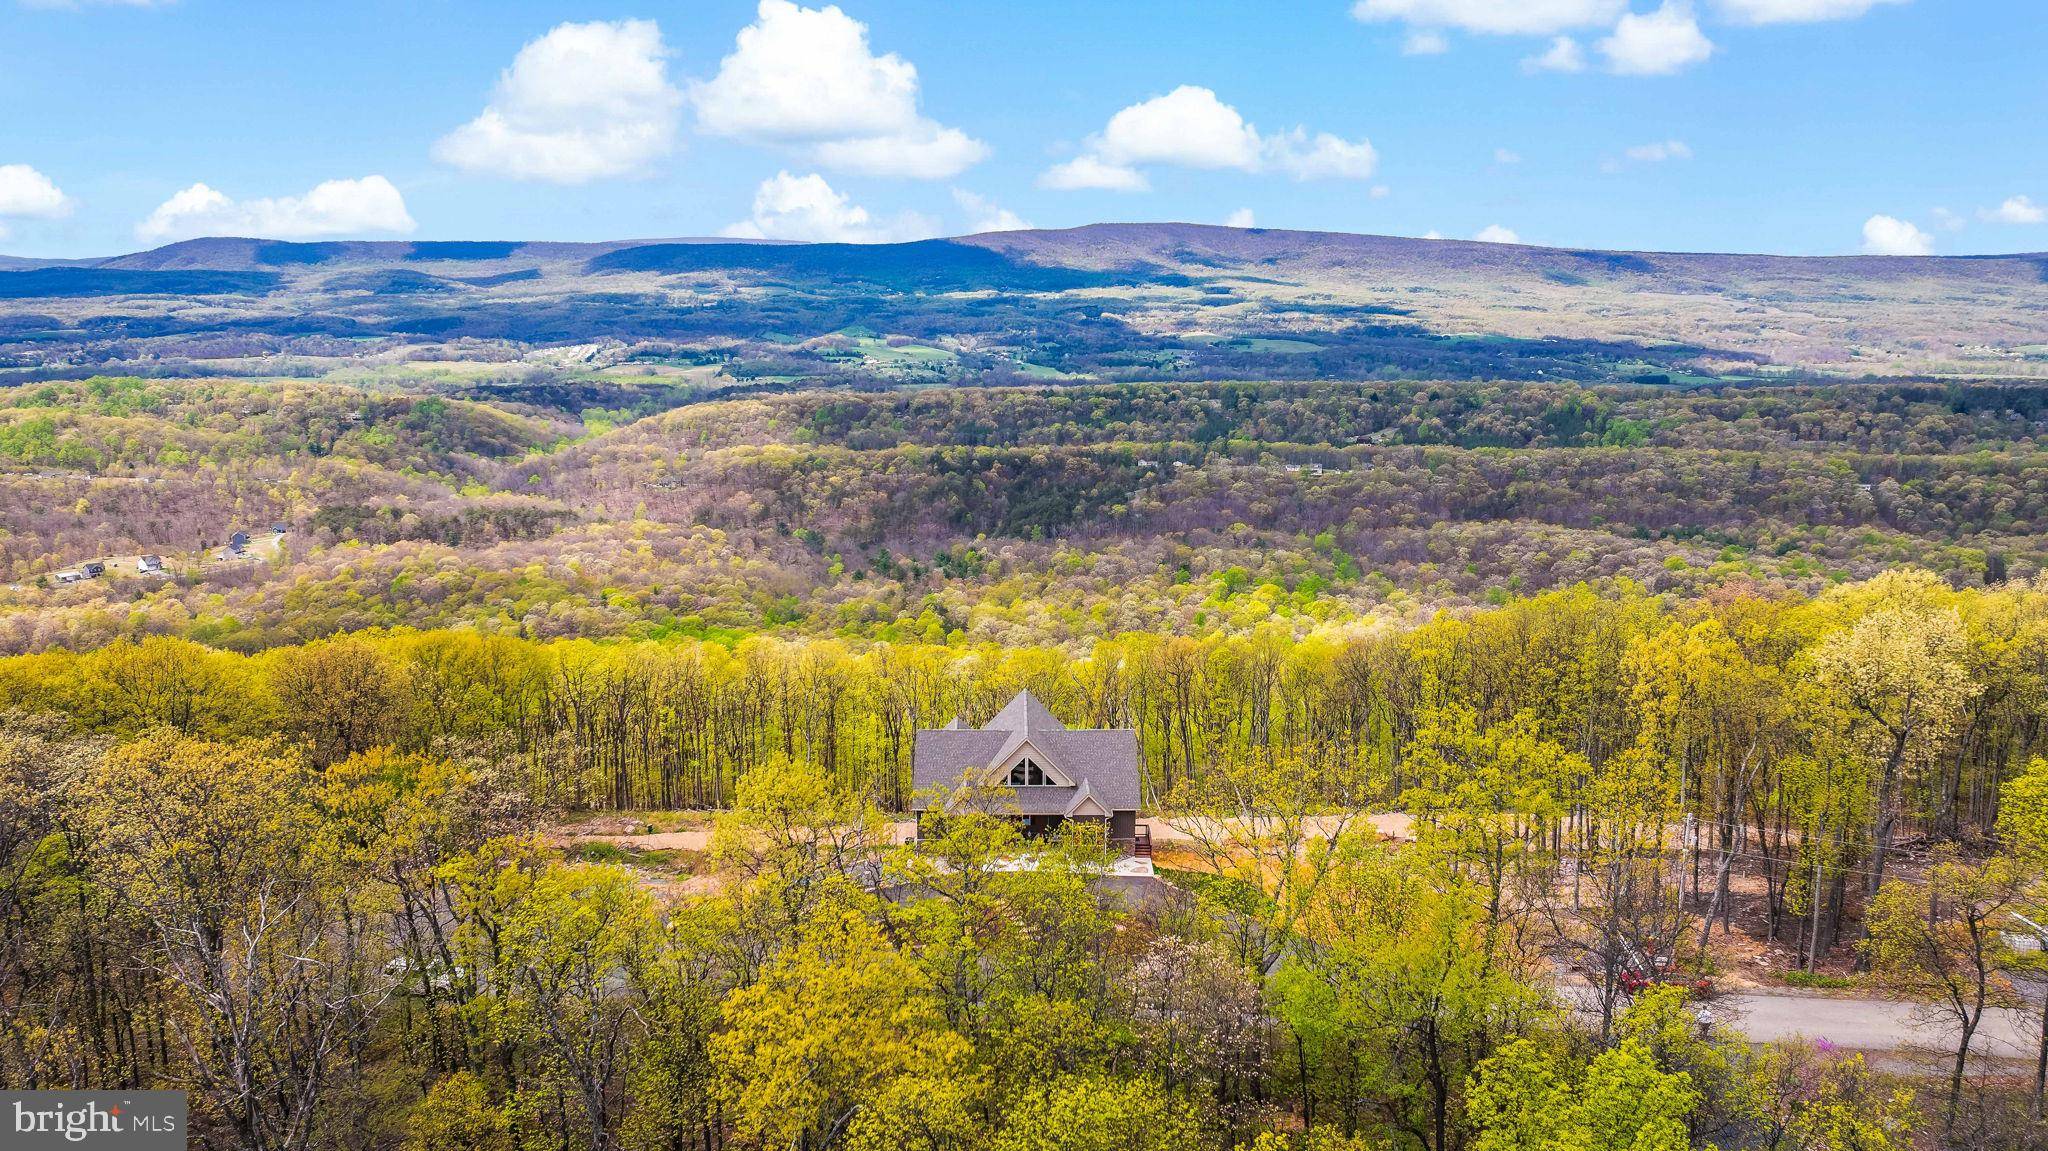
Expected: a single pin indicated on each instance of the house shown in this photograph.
(238, 541)
(65, 577)
(1027, 764)
(93, 569)
(149, 565)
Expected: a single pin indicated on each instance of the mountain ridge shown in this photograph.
(225, 253)
(1102, 301)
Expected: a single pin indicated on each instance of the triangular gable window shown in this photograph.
(1026, 766)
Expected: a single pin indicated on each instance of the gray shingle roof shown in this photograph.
(1106, 761)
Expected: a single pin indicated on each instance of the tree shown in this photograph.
(1717, 1063)
(1202, 1021)
(831, 1028)
(457, 1115)
(55, 921)
(207, 844)
(393, 822)
(1486, 801)
(1086, 1114)
(1620, 1101)
(2023, 833)
(1827, 791)
(1721, 719)
(1816, 1101)
(165, 682)
(1395, 994)
(1900, 676)
(1002, 943)
(1943, 944)
(944, 1111)
(794, 839)
(1626, 918)
(340, 696)
(1270, 826)
(549, 954)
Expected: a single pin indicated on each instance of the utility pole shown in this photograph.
(1688, 850)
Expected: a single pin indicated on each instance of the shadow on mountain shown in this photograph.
(922, 266)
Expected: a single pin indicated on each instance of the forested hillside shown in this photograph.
(348, 826)
(1039, 514)
(463, 695)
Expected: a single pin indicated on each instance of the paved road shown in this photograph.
(1877, 1025)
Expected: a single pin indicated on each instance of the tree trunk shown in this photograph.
(2041, 1060)
(1813, 931)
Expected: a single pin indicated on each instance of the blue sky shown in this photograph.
(1799, 126)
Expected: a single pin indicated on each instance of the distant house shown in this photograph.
(1029, 765)
(93, 569)
(278, 529)
(65, 577)
(148, 565)
(238, 541)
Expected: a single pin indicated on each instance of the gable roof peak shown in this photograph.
(1083, 796)
(1025, 712)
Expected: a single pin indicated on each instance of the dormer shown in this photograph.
(1028, 767)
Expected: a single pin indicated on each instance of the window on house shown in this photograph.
(1028, 774)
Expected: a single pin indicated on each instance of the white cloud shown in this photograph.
(1432, 234)
(1505, 17)
(1495, 234)
(2016, 210)
(923, 155)
(1660, 151)
(1563, 55)
(807, 208)
(25, 192)
(1380, 192)
(1087, 171)
(1656, 152)
(985, 215)
(1190, 127)
(336, 208)
(1889, 236)
(1796, 11)
(1326, 157)
(806, 78)
(584, 102)
(801, 74)
(1949, 221)
(1657, 44)
(1505, 156)
(1425, 42)
(1242, 218)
